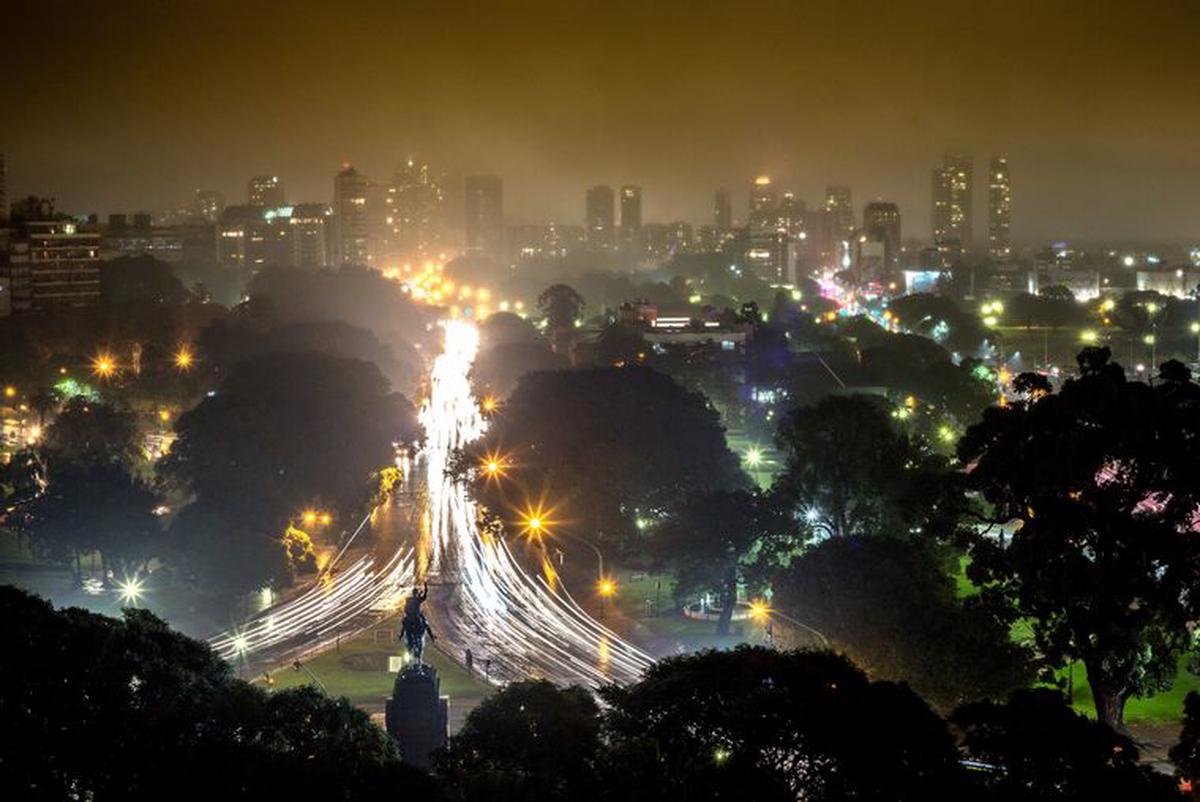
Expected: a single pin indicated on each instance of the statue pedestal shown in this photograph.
(417, 715)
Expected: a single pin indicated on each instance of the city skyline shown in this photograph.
(677, 119)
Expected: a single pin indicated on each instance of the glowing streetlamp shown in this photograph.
(606, 588)
(104, 366)
(131, 591)
(184, 358)
(1195, 327)
(1088, 336)
(490, 404)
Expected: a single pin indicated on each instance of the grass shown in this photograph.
(358, 671)
(1162, 708)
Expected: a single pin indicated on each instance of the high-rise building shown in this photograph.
(723, 211)
(767, 251)
(309, 226)
(840, 205)
(952, 209)
(352, 244)
(484, 205)
(207, 205)
(999, 210)
(266, 190)
(881, 223)
(53, 260)
(413, 215)
(599, 217)
(631, 216)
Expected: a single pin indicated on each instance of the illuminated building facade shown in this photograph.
(265, 190)
(999, 210)
(881, 223)
(952, 207)
(599, 215)
(352, 219)
(631, 216)
(413, 213)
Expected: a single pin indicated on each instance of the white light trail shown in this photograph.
(523, 626)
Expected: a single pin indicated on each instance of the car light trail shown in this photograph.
(485, 601)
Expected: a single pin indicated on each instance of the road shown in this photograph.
(516, 625)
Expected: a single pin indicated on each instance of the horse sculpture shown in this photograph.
(414, 627)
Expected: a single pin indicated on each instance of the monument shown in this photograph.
(417, 715)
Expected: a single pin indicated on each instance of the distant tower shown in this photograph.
(631, 215)
(352, 244)
(266, 190)
(881, 223)
(484, 204)
(766, 256)
(999, 210)
(723, 211)
(412, 223)
(839, 204)
(599, 217)
(207, 205)
(952, 210)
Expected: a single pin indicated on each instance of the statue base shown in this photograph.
(417, 715)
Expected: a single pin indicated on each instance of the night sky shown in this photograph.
(119, 106)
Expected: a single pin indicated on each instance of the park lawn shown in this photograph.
(670, 622)
(365, 686)
(1162, 708)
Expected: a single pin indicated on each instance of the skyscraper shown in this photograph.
(840, 205)
(599, 214)
(881, 223)
(484, 204)
(999, 210)
(723, 211)
(309, 227)
(207, 205)
(631, 215)
(413, 218)
(352, 244)
(266, 190)
(952, 210)
(766, 256)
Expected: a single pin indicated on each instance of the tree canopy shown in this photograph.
(1097, 486)
(602, 444)
(102, 708)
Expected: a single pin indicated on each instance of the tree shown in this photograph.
(1096, 483)
(101, 708)
(709, 536)
(140, 280)
(891, 605)
(1186, 754)
(758, 724)
(282, 433)
(561, 306)
(602, 444)
(93, 432)
(531, 740)
(90, 507)
(850, 472)
(1038, 749)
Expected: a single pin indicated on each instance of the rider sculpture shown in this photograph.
(414, 627)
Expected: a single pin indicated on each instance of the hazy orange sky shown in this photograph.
(120, 106)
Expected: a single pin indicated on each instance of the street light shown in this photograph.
(606, 588)
(1089, 336)
(1152, 341)
(184, 358)
(103, 365)
(1195, 327)
(761, 612)
(131, 591)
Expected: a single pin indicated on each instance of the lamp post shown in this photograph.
(761, 612)
(1195, 327)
